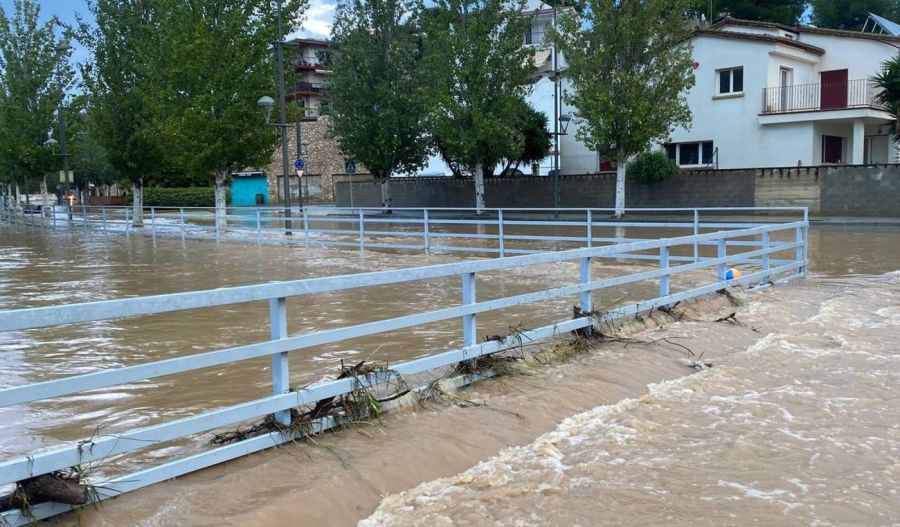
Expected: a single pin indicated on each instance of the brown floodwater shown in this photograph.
(40, 268)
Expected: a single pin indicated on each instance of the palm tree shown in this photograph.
(888, 82)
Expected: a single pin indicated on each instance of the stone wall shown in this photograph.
(323, 158)
(872, 190)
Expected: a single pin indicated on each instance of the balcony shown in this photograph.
(308, 88)
(839, 95)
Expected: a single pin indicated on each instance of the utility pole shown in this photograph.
(282, 111)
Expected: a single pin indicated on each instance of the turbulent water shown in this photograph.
(800, 428)
(796, 423)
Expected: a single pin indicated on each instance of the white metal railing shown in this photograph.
(760, 264)
(502, 232)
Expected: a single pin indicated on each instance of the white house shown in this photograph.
(769, 95)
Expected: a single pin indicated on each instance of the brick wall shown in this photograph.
(872, 190)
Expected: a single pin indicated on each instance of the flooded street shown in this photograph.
(796, 423)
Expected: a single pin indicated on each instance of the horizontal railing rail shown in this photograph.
(763, 263)
(494, 231)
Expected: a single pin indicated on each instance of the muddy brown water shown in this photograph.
(41, 269)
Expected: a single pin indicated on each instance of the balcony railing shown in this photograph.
(839, 95)
(309, 87)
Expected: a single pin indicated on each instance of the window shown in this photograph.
(731, 81)
(691, 154)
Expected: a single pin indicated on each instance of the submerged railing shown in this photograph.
(495, 231)
(787, 241)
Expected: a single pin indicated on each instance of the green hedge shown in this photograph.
(651, 167)
(181, 197)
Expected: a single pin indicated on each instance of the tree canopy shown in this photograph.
(480, 79)
(376, 91)
(786, 12)
(851, 14)
(34, 73)
(629, 64)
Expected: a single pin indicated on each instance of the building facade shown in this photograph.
(312, 62)
(768, 95)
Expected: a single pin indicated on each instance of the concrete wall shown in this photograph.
(872, 190)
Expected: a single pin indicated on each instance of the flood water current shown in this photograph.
(797, 423)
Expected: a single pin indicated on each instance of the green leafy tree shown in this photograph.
(851, 14)
(89, 160)
(218, 64)
(479, 79)
(630, 65)
(781, 11)
(33, 76)
(124, 80)
(376, 89)
(536, 139)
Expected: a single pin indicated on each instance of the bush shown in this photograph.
(180, 197)
(651, 167)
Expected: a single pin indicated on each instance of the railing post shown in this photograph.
(590, 229)
(153, 222)
(721, 252)
(305, 228)
(584, 278)
(427, 234)
(500, 232)
(181, 220)
(798, 255)
(362, 231)
(258, 226)
(696, 232)
(766, 263)
(216, 221)
(468, 297)
(280, 372)
(105, 230)
(84, 218)
(127, 225)
(664, 265)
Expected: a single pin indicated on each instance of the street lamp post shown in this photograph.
(282, 114)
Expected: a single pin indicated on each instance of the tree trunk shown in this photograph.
(45, 198)
(18, 197)
(620, 186)
(221, 206)
(386, 195)
(479, 189)
(137, 191)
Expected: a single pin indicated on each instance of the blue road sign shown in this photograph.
(350, 166)
(299, 164)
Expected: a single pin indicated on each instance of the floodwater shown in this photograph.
(795, 424)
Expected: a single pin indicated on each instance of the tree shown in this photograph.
(479, 81)
(536, 139)
(33, 77)
(851, 14)
(376, 89)
(786, 12)
(888, 81)
(122, 82)
(629, 64)
(218, 64)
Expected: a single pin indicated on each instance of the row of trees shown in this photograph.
(168, 96)
(452, 79)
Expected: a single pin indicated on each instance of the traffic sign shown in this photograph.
(350, 166)
(299, 164)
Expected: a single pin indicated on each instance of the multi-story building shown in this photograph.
(312, 64)
(771, 95)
